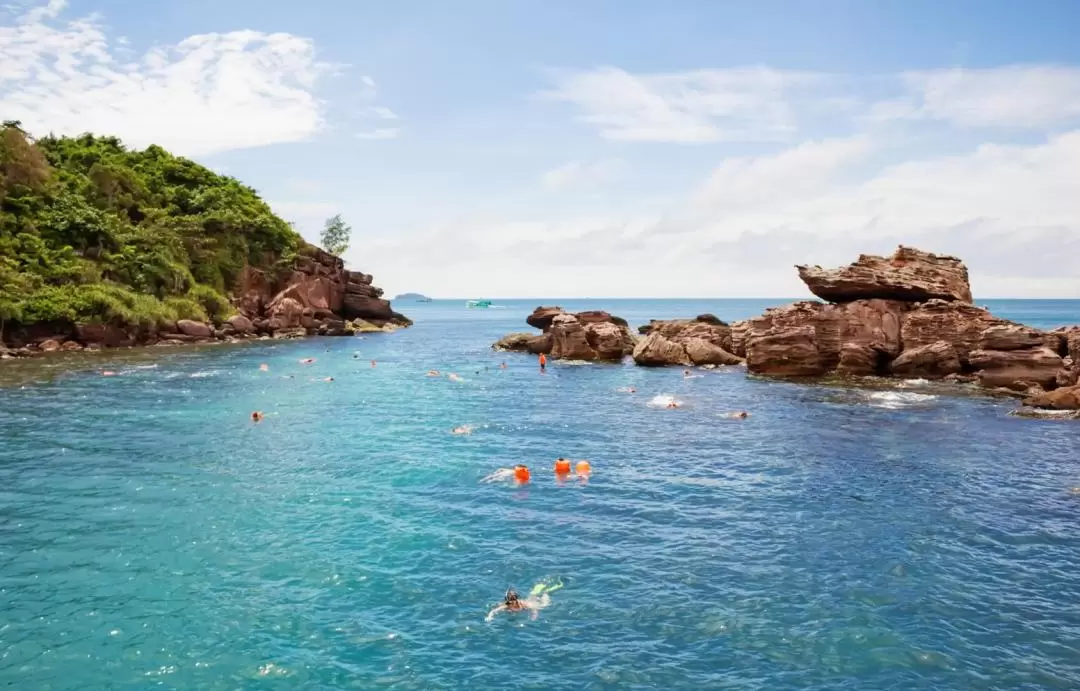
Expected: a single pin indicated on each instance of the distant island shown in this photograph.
(415, 297)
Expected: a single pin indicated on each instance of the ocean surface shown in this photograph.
(153, 536)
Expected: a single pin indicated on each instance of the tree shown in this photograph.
(335, 235)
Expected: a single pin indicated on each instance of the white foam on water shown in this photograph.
(913, 383)
(663, 400)
(201, 375)
(899, 399)
(575, 363)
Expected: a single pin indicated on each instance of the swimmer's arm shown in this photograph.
(492, 613)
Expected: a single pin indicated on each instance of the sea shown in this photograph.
(882, 537)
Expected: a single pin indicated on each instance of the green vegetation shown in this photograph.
(335, 235)
(93, 232)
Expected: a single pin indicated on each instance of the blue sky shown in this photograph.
(521, 149)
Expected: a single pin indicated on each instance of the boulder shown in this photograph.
(1012, 337)
(543, 317)
(908, 275)
(937, 359)
(284, 314)
(194, 329)
(1017, 369)
(703, 352)
(683, 330)
(1070, 337)
(1066, 398)
(572, 339)
(70, 346)
(781, 351)
(525, 343)
(50, 345)
(861, 360)
(358, 306)
(959, 324)
(656, 350)
(241, 324)
(108, 335)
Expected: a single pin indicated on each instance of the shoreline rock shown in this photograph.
(592, 335)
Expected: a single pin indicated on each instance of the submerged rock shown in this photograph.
(1065, 398)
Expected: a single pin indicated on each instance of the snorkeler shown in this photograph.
(256, 416)
(264, 367)
(433, 373)
(538, 599)
(673, 404)
(463, 429)
(307, 361)
(738, 415)
(502, 365)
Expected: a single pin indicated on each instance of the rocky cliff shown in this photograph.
(593, 335)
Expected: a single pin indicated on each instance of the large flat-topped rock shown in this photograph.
(909, 274)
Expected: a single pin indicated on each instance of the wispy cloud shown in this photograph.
(206, 94)
(380, 133)
(581, 175)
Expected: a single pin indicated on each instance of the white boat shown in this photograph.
(478, 303)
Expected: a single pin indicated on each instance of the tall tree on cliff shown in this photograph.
(335, 235)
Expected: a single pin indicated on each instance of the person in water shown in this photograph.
(543, 362)
(256, 416)
(433, 373)
(538, 599)
(673, 404)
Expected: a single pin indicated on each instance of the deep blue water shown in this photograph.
(151, 535)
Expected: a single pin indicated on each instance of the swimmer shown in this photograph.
(502, 365)
(328, 379)
(626, 389)
(738, 415)
(673, 404)
(307, 361)
(433, 373)
(454, 377)
(256, 416)
(539, 598)
(687, 373)
(264, 367)
(356, 356)
(500, 475)
(462, 429)
(372, 363)
(108, 373)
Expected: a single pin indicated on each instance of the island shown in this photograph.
(413, 297)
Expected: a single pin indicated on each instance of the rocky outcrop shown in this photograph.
(908, 275)
(316, 295)
(704, 340)
(931, 361)
(1065, 398)
(1017, 369)
(587, 337)
(785, 352)
(524, 343)
(956, 323)
(591, 335)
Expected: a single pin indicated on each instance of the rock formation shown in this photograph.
(316, 296)
(704, 340)
(909, 274)
(908, 315)
(592, 335)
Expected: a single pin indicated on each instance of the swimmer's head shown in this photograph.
(511, 596)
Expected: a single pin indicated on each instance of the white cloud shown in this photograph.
(206, 94)
(751, 103)
(1011, 212)
(582, 174)
(1021, 96)
(379, 112)
(380, 133)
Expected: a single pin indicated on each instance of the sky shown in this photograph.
(610, 148)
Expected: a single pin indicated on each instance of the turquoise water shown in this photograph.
(151, 535)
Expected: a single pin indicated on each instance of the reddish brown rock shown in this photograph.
(706, 328)
(1017, 369)
(739, 331)
(908, 275)
(572, 339)
(50, 345)
(861, 360)
(781, 351)
(285, 314)
(704, 352)
(107, 335)
(194, 329)
(542, 317)
(70, 346)
(1067, 398)
(655, 350)
(241, 324)
(525, 342)
(1012, 337)
(961, 325)
(937, 359)
(360, 307)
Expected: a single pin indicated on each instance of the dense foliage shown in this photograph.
(335, 235)
(93, 232)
